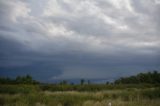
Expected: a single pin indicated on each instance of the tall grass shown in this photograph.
(32, 95)
(95, 87)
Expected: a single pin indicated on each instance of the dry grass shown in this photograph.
(132, 97)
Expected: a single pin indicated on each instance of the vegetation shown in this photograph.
(24, 91)
(142, 78)
(19, 80)
(37, 97)
(149, 78)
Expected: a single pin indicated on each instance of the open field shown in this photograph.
(34, 95)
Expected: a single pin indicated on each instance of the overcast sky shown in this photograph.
(74, 39)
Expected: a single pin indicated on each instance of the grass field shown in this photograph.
(34, 95)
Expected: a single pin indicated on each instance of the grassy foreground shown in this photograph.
(33, 95)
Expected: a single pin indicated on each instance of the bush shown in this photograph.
(151, 94)
(14, 89)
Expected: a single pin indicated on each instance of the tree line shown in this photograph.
(142, 78)
(19, 80)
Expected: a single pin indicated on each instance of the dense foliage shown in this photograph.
(19, 80)
(150, 78)
(142, 78)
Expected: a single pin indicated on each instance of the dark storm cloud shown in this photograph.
(93, 40)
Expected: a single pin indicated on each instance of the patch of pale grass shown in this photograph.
(39, 104)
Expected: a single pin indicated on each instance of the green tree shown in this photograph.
(64, 82)
(150, 78)
(82, 81)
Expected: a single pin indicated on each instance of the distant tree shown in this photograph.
(19, 80)
(24, 80)
(107, 83)
(72, 83)
(82, 81)
(6, 81)
(88, 82)
(150, 77)
(64, 82)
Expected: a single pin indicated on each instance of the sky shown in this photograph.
(99, 40)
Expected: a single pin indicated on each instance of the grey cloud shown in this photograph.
(69, 45)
